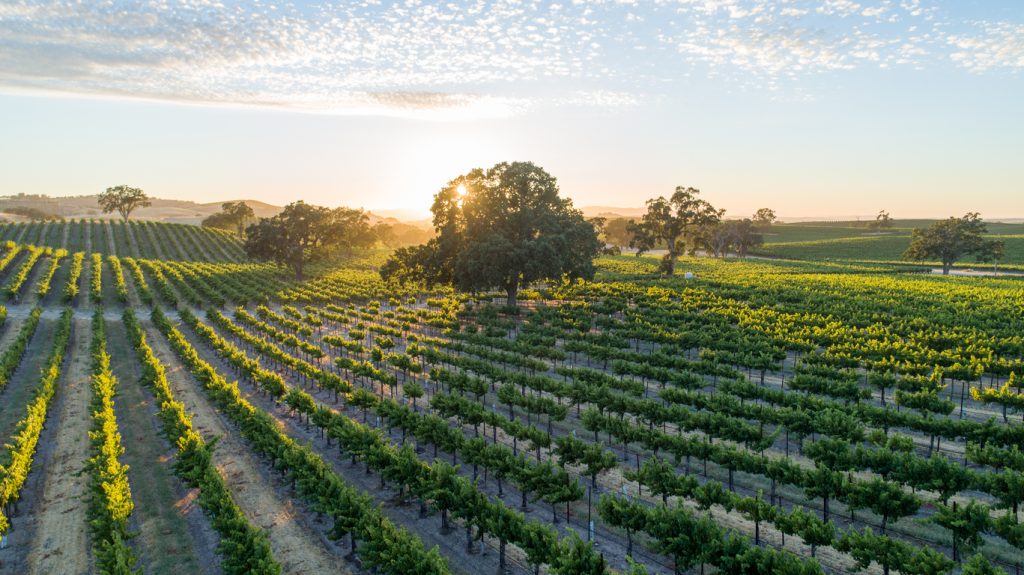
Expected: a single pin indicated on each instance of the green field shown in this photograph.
(841, 241)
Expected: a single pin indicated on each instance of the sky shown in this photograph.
(830, 108)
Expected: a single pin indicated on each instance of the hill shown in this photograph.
(175, 211)
(165, 210)
(609, 212)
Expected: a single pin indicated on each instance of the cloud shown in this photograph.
(468, 58)
(842, 8)
(781, 42)
(600, 99)
(404, 56)
(994, 45)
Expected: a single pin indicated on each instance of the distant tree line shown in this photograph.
(32, 213)
(400, 234)
(685, 223)
(507, 227)
(233, 216)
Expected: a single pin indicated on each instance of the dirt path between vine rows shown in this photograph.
(452, 545)
(133, 244)
(294, 543)
(64, 233)
(61, 539)
(111, 246)
(174, 535)
(181, 253)
(21, 233)
(159, 249)
(8, 331)
(16, 395)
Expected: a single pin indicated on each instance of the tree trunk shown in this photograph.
(511, 290)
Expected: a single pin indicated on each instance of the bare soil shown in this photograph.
(174, 535)
(133, 244)
(50, 535)
(111, 246)
(293, 539)
(16, 395)
(452, 544)
(64, 232)
(153, 241)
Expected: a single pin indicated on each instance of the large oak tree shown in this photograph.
(502, 228)
(303, 233)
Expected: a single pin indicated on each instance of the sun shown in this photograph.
(461, 190)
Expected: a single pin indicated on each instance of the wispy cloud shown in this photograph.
(404, 56)
(791, 39)
(467, 59)
(990, 45)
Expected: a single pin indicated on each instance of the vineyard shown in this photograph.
(170, 407)
(137, 239)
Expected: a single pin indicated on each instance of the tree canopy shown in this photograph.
(736, 235)
(304, 233)
(673, 222)
(882, 221)
(951, 239)
(764, 217)
(123, 200)
(502, 228)
(234, 216)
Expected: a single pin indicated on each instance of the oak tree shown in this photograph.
(764, 217)
(304, 233)
(123, 200)
(673, 222)
(950, 240)
(503, 228)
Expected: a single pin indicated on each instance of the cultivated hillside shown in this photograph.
(140, 239)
